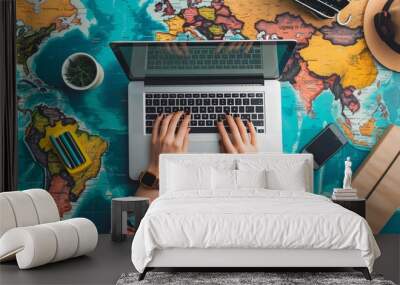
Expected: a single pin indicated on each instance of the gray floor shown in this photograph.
(103, 266)
(110, 260)
(389, 263)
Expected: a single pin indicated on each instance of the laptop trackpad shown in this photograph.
(204, 147)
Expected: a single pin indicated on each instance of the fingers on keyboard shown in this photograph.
(206, 108)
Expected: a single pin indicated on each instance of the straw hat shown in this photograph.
(382, 31)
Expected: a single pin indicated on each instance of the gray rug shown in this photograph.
(243, 278)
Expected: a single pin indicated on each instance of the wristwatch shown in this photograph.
(148, 180)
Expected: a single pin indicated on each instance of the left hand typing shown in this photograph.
(167, 139)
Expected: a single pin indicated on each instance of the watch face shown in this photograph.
(148, 179)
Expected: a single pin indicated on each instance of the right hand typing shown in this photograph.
(239, 141)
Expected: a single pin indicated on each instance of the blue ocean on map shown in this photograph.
(103, 111)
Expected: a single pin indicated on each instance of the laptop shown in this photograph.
(207, 79)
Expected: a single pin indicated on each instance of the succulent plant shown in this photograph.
(81, 71)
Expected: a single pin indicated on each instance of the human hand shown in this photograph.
(165, 138)
(227, 47)
(179, 49)
(239, 141)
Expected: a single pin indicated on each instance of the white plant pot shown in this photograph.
(97, 80)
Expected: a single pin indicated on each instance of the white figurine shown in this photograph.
(347, 174)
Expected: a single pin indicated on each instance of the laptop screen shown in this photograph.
(204, 59)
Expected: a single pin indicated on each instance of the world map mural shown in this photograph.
(332, 78)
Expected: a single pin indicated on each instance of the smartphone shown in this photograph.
(325, 144)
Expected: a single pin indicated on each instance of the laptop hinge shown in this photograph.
(201, 81)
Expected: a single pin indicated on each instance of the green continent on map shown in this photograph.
(27, 44)
(50, 16)
(62, 185)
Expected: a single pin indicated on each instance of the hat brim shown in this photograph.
(380, 50)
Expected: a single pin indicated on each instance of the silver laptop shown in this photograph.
(207, 79)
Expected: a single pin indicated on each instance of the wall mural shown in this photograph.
(332, 79)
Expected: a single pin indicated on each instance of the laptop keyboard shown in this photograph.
(206, 108)
(205, 58)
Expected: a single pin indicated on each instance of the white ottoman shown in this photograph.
(31, 232)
